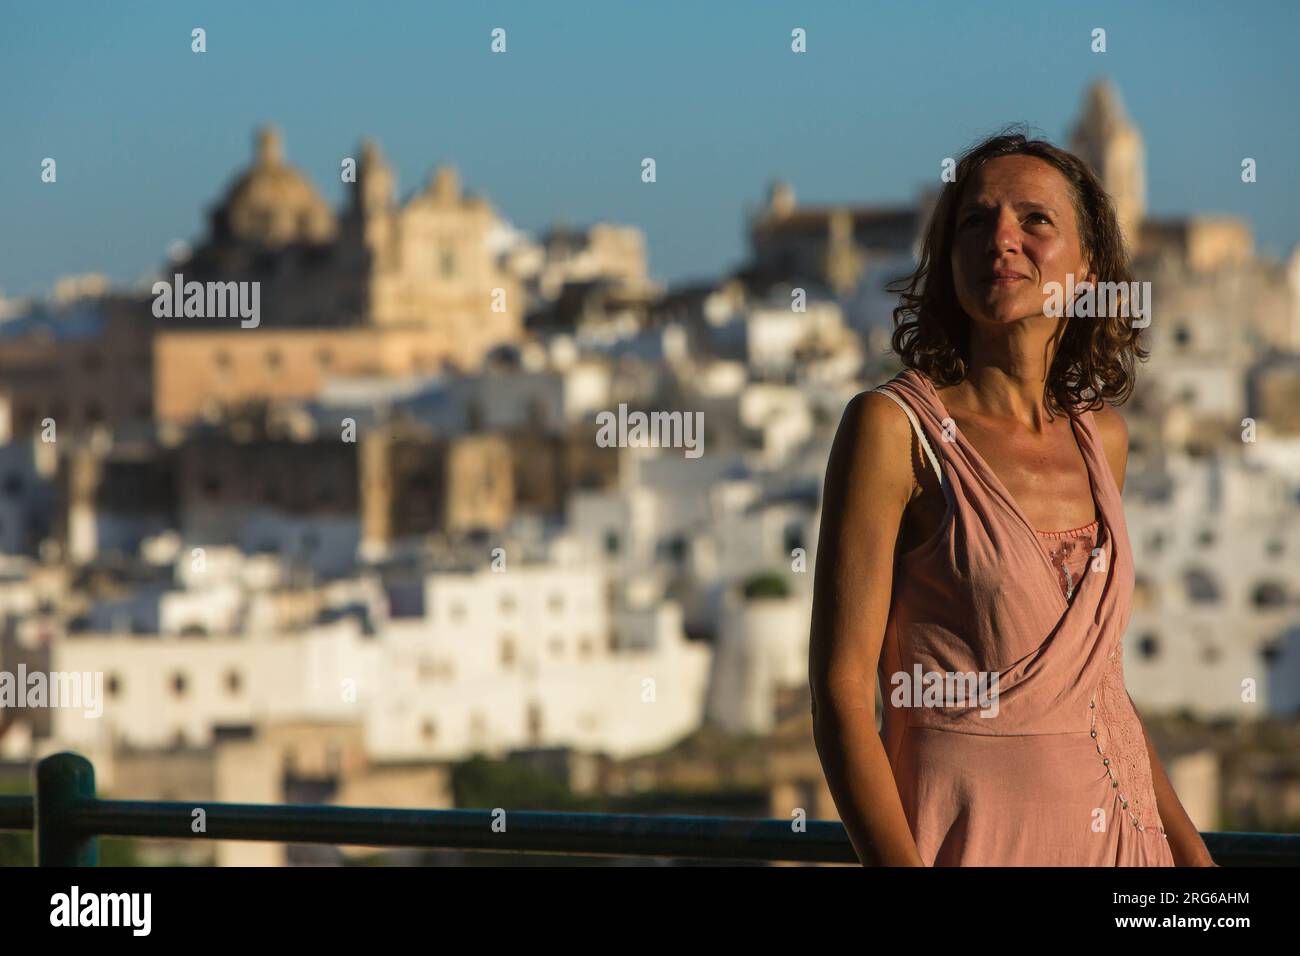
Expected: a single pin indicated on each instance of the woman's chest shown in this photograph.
(1045, 476)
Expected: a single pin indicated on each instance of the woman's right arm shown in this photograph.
(869, 481)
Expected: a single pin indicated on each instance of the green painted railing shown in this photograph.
(68, 818)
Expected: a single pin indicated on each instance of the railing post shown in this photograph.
(61, 779)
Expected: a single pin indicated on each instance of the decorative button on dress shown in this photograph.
(1057, 772)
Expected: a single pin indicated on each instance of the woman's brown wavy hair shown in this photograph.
(1094, 359)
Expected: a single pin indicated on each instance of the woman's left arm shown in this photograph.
(1185, 841)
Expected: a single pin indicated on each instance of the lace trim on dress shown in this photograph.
(1123, 750)
(1071, 553)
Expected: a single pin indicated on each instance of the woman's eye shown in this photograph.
(970, 219)
(1039, 215)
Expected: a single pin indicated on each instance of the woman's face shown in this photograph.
(1015, 232)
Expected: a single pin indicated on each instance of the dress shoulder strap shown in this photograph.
(916, 426)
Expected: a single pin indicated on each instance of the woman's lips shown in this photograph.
(1005, 280)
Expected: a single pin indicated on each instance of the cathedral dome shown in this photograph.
(272, 203)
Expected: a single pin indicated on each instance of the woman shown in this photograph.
(1007, 737)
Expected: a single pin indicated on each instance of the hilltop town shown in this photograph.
(328, 555)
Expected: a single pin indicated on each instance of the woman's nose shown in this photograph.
(1005, 235)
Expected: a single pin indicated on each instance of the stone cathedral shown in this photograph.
(382, 287)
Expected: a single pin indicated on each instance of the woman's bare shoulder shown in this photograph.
(872, 448)
(877, 419)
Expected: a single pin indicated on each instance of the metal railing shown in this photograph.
(68, 818)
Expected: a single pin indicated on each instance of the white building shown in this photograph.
(535, 657)
(1216, 619)
(163, 690)
(523, 657)
(762, 649)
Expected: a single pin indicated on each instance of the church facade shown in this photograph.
(383, 288)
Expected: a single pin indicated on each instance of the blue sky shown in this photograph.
(147, 134)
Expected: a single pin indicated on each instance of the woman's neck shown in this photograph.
(1006, 376)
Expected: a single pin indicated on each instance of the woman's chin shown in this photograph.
(1005, 314)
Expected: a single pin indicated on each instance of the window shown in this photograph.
(448, 263)
(477, 726)
(507, 653)
(611, 542)
(1269, 594)
(222, 359)
(430, 668)
(178, 684)
(1148, 646)
(273, 358)
(233, 682)
(534, 721)
(1201, 587)
(1144, 594)
(556, 602)
(507, 603)
(114, 685)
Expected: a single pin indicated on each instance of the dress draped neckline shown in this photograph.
(1083, 440)
(973, 597)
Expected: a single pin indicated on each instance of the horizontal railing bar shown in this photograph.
(17, 813)
(1253, 849)
(529, 831)
(526, 831)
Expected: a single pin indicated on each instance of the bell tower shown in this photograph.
(1111, 145)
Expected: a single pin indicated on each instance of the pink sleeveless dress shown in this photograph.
(1050, 769)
